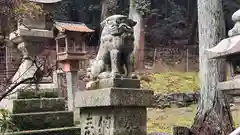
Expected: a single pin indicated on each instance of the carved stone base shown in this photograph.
(113, 121)
(113, 111)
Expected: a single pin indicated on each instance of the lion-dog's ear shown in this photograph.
(103, 23)
(131, 22)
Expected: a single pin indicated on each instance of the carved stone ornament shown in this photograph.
(114, 57)
(236, 29)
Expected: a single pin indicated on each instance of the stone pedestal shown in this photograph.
(30, 42)
(114, 110)
(27, 68)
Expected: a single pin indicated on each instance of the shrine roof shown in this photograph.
(72, 26)
(45, 1)
(226, 47)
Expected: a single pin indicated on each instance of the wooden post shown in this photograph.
(57, 45)
(154, 57)
(74, 45)
(6, 61)
(83, 44)
(66, 44)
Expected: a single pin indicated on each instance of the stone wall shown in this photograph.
(178, 99)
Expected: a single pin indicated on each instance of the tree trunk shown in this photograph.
(166, 8)
(139, 36)
(213, 115)
(192, 37)
(111, 7)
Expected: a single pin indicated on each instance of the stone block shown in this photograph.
(38, 105)
(113, 97)
(113, 121)
(35, 34)
(230, 86)
(114, 83)
(119, 83)
(43, 120)
(42, 93)
(114, 111)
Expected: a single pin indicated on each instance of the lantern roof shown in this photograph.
(72, 26)
(226, 47)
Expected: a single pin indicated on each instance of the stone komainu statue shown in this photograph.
(114, 58)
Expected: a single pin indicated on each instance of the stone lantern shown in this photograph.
(229, 49)
(71, 39)
(30, 38)
(40, 21)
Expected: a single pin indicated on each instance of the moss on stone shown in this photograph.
(46, 120)
(29, 94)
(38, 105)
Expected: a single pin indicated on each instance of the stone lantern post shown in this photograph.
(229, 49)
(70, 46)
(30, 37)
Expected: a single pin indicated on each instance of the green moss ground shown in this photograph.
(170, 82)
(163, 120)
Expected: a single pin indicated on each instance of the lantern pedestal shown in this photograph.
(71, 68)
(30, 43)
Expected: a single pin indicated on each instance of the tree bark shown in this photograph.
(192, 37)
(139, 36)
(213, 114)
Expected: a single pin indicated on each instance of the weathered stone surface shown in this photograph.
(186, 99)
(30, 34)
(119, 83)
(35, 23)
(43, 93)
(114, 57)
(236, 16)
(224, 48)
(38, 105)
(116, 83)
(113, 121)
(43, 120)
(54, 131)
(236, 29)
(114, 97)
(179, 99)
(229, 86)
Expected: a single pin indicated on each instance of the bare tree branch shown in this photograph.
(42, 70)
(6, 93)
